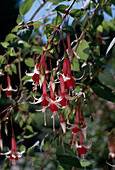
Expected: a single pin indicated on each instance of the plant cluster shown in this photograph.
(54, 80)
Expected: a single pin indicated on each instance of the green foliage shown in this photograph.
(89, 51)
(25, 6)
(25, 33)
(83, 50)
(61, 8)
(69, 30)
(103, 91)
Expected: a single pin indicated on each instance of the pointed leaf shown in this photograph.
(29, 62)
(61, 8)
(69, 30)
(25, 6)
(69, 160)
(58, 19)
(83, 50)
(103, 91)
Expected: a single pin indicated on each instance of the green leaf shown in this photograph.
(29, 62)
(4, 44)
(61, 8)
(22, 148)
(111, 25)
(69, 160)
(2, 60)
(75, 65)
(107, 78)
(10, 36)
(25, 6)
(36, 49)
(55, 2)
(37, 24)
(19, 19)
(105, 26)
(85, 163)
(23, 107)
(97, 20)
(14, 69)
(83, 50)
(69, 30)
(25, 33)
(15, 29)
(103, 91)
(30, 128)
(77, 13)
(30, 136)
(58, 19)
(57, 37)
(107, 9)
(100, 28)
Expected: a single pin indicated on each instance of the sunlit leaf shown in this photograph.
(83, 50)
(29, 62)
(25, 6)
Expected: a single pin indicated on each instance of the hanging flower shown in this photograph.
(13, 155)
(9, 88)
(70, 82)
(53, 104)
(71, 53)
(44, 99)
(64, 97)
(81, 149)
(62, 123)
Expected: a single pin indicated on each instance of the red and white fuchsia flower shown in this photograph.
(13, 154)
(69, 80)
(9, 88)
(61, 101)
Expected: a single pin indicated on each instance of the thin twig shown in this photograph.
(37, 10)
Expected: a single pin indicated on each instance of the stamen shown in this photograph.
(44, 118)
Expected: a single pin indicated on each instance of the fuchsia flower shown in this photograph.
(9, 88)
(64, 97)
(71, 53)
(53, 106)
(78, 127)
(13, 154)
(44, 99)
(69, 80)
(81, 149)
(39, 74)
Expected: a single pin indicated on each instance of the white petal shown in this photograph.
(42, 110)
(6, 153)
(14, 90)
(39, 100)
(5, 89)
(29, 74)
